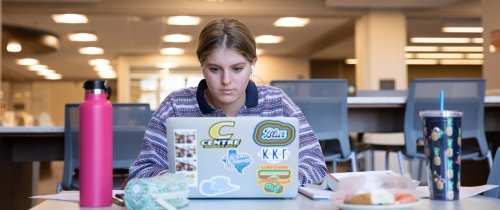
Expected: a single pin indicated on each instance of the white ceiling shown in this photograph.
(329, 35)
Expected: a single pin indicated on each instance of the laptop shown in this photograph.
(235, 157)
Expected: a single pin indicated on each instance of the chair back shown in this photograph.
(129, 125)
(324, 104)
(494, 177)
(464, 95)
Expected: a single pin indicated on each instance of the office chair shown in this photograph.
(129, 125)
(324, 104)
(464, 95)
(494, 177)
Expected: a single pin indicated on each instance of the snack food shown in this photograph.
(379, 197)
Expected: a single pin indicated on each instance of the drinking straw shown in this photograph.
(441, 100)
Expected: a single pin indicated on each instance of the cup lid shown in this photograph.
(439, 113)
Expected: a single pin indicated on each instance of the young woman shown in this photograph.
(227, 54)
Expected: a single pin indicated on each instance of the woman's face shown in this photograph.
(227, 74)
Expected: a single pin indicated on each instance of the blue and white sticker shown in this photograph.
(274, 155)
(217, 185)
(236, 161)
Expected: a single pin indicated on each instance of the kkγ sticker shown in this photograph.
(274, 178)
(274, 154)
(236, 161)
(217, 185)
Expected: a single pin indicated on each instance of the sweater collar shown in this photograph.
(251, 100)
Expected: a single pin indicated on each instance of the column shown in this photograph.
(380, 40)
(491, 65)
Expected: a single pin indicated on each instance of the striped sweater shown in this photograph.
(264, 101)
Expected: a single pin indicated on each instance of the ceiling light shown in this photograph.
(172, 51)
(177, 38)
(69, 18)
(351, 61)
(477, 40)
(37, 67)
(103, 68)
(421, 48)
(45, 72)
(461, 62)
(462, 49)
(82, 37)
(166, 65)
(14, 46)
(268, 39)
(474, 55)
(441, 40)
(107, 74)
(462, 26)
(27, 61)
(439, 55)
(53, 76)
(91, 50)
(291, 22)
(462, 29)
(183, 20)
(99, 62)
(421, 61)
(409, 55)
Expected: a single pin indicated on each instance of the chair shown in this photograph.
(129, 125)
(494, 177)
(465, 95)
(324, 104)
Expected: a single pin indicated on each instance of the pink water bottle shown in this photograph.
(96, 145)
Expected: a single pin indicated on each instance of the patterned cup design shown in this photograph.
(442, 149)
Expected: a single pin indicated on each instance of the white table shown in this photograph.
(299, 203)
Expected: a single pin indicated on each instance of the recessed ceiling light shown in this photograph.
(440, 40)
(107, 74)
(439, 55)
(462, 29)
(351, 61)
(474, 55)
(421, 61)
(70, 18)
(268, 39)
(82, 37)
(461, 62)
(91, 50)
(14, 46)
(177, 38)
(421, 48)
(27, 61)
(53, 76)
(172, 51)
(291, 22)
(37, 67)
(183, 20)
(166, 65)
(46, 72)
(98, 62)
(461, 49)
(103, 68)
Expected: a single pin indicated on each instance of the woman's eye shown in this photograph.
(238, 69)
(214, 69)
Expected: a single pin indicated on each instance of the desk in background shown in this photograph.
(299, 203)
(20, 150)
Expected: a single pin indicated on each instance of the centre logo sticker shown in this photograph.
(273, 133)
(221, 138)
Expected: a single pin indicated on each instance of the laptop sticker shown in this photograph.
(274, 155)
(217, 185)
(236, 161)
(186, 155)
(273, 133)
(221, 136)
(274, 178)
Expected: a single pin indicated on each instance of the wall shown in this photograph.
(272, 67)
(324, 69)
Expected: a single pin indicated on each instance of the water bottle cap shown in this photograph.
(95, 84)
